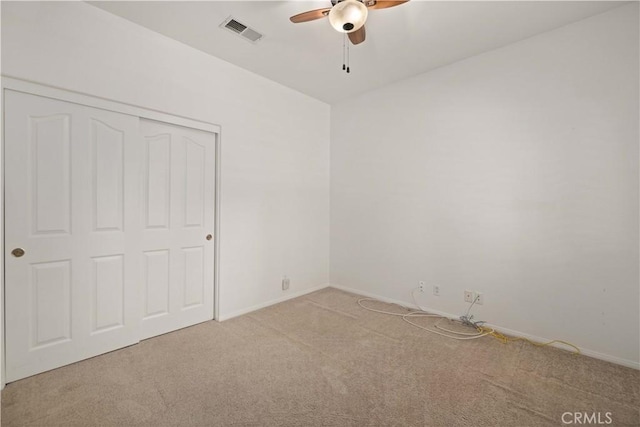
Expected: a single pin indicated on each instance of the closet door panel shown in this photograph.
(72, 206)
(179, 213)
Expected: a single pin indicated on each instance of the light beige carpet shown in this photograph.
(322, 360)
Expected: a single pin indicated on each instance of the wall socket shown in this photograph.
(436, 290)
(468, 296)
(471, 296)
(421, 286)
(285, 283)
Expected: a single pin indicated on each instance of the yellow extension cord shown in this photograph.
(482, 330)
(505, 339)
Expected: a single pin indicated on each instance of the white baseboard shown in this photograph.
(391, 300)
(591, 353)
(286, 297)
(584, 351)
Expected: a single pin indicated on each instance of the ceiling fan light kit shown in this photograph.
(348, 16)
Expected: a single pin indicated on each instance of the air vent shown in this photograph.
(235, 26)
(242, 30)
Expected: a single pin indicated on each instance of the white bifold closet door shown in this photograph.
(106, 224)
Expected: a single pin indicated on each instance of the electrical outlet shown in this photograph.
(436, 290)
(285, 283)
(421, 286)
(468, 296)
(479, 298)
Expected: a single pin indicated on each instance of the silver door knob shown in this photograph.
(17, 252)
(209, 237)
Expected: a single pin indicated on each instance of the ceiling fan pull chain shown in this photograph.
(344, 39)
(348, 57)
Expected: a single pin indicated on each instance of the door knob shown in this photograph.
(209, 237)
(17, 252)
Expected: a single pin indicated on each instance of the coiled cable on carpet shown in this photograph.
(423, 313)
(466, 319)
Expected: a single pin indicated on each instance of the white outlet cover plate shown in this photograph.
(468, 296)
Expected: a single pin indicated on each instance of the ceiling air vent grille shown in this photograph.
(235, 26)
(242, 30)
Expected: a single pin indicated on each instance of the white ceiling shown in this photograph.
(401, 42)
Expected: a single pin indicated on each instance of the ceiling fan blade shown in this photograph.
(384, 4)
(357, 36)
(310, 15)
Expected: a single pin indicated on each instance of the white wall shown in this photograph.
(275, 141)
(513, 173)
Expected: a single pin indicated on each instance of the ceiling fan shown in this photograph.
(347, 16)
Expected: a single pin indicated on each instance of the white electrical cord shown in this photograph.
(423, 313)
(377, 311)
(474, 334)
(413, 297)
(466, 320)
(447, 335)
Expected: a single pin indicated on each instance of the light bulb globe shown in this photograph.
(348, 16)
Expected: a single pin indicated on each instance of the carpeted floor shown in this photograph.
(322, 360)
